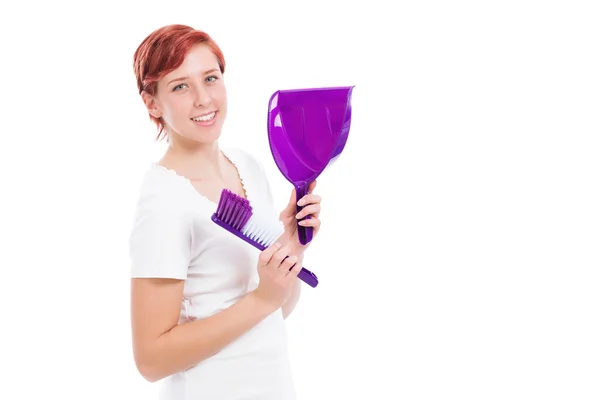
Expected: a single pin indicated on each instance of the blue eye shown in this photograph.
(213, 77)
(180, 86)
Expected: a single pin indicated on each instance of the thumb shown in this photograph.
(291, 207)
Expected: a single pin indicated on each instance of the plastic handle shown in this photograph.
(308, 277)
(305, 233)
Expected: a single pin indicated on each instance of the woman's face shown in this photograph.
(192, 99)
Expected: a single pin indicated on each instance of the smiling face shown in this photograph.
(191, 100)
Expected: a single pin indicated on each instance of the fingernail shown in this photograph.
(301, 202)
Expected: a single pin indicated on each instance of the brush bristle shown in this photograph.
(236, 212)
(233, 210)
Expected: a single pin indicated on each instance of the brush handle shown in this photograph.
(305, 233)
(305, 275)
(308, 277)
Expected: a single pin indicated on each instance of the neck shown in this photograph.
(196, 161)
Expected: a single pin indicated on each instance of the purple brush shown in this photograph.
(234, 214)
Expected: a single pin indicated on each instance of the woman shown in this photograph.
(207, 308)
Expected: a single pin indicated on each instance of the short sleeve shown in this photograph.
(160, 238)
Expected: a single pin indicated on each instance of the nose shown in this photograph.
(202, 97)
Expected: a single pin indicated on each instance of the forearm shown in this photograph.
(186, 345)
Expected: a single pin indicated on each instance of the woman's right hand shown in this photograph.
(276, 279)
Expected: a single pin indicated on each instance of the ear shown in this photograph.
(152, 105)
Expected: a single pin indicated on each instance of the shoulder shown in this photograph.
(243, 155)
(253, 174)
(160, 192)
(248, 161)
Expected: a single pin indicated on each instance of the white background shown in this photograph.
(459, 257)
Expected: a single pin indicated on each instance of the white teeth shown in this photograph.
(205, 117)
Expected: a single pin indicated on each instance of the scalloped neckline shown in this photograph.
(189, 183)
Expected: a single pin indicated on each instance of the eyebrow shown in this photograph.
(183, 78)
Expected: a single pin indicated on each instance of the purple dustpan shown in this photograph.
(308, 129)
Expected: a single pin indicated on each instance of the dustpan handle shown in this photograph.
(305, 233)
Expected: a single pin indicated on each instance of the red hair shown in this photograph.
(164, 51)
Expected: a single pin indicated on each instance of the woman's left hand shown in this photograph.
(311, 206)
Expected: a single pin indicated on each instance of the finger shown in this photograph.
(312, 222)
(287, 265)
(309, 199)
(293, 196)
(290, 208)
(293, 273)
(267, 254)
(312, 186)
(313, 210)
(278, 257)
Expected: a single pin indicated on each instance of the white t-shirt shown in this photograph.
(174, 237)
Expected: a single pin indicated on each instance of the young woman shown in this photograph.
(207, 309)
